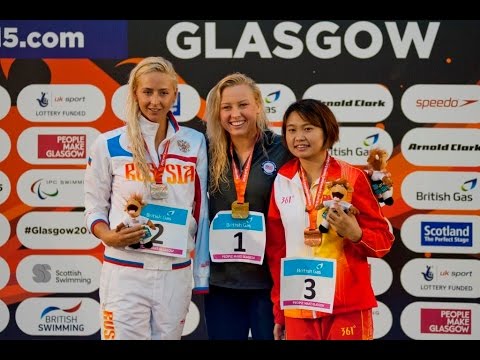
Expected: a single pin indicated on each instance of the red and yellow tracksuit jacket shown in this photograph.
(287, 220)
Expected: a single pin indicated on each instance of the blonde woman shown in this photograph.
(244, 159)
(145, 293)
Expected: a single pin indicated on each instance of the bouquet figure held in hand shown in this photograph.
(133, 208)
(339, 190)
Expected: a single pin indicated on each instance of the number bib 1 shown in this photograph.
(308, 283)
(237, 240)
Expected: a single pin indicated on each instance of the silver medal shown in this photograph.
(159, 191)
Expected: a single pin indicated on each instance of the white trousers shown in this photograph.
(141, 304)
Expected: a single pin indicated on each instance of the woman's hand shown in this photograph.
(278, 332)
(345, 224)
(119, 238)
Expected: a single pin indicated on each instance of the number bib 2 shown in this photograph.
(171, 236)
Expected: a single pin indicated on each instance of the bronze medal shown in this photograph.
(312, 237)
(239, 211)
(159, 191)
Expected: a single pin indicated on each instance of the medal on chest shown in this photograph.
(159, 191)
(240, 211)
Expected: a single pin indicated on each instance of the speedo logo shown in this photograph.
(442, 103)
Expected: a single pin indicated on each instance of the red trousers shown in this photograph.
(356, 325)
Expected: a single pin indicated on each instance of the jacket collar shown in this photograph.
(150, 128)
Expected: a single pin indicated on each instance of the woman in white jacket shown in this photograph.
(145, 293)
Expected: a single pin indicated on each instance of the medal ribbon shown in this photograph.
(312, 206)
(160, 169)
(240, 180)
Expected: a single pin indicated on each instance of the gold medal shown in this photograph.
(159, 191)
(312, 237)
(239, 211)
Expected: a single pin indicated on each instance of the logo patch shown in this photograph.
(183, 146)
(269, 167)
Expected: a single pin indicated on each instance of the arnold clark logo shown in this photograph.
(454, 234)
(35, 230)
(447, 190)
(441, 321)
(358, 103)
(56, 145)
(276, 99)
(185, 108)
(442, 103)
(51, 188)
(356, 142)
(58, 316)
(61, 103)
(442, 147)
(456, 278)
(59, 273)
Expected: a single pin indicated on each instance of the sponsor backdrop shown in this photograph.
(411, 87)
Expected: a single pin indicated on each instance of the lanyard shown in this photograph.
(160, 169)
(312, 206)
(240, 180)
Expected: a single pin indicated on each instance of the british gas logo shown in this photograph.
(276, 99)
(433, 103)
(356, 142)
(442, 190)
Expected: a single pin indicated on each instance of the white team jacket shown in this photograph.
(110, 177)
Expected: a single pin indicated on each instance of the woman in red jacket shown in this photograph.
(321, 276)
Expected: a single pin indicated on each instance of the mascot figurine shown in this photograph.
(338, 190)
(380, 179)
(133, 207)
